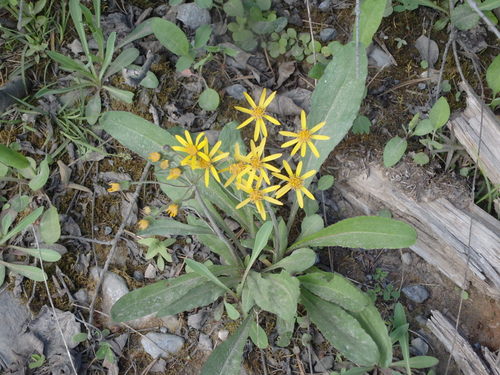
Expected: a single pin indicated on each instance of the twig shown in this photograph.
(52, 303)
(134, 77)
(357, 12)
(443, 62)
(99, 242)
(311, 30)
(114, 243)
(486, 20)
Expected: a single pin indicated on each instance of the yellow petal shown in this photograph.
(260, 208)
(181, 140)
(281, 177)
(256, 130)
(303, 122)
(287, 168)
(272, 157)
(272, 200)
(289, 143)
(272, 120)
(188, 137)
(300, 199)
(199, 137)
(303, 149)
(296, 148)
(249, 100)
(245, 202)
(179, 148)
(207, 177)
(269, 99)
(262, 98)
(308, 174)
(288, 134)
(320, 137)
(317, 127)
(246, 122)
(285, 189)
(299, 168)
(270, 188)
(215, 148)
(308, 193)
(244, 110)
(313, 149)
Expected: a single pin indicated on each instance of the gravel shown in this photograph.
(416, 293)
(161, 344)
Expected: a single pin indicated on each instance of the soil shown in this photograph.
(392, 99)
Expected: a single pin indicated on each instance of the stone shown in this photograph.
(327, 34)
(204, 342)
(421, 86)
(236, 91)
(171, 322)
(223, 334)
(325, 6)
(82, 296)
(193, 16)
(196, 320)
(324, 364)
(419, 346)
(406, 258)
(150, 272)
(138, 275)
(159, 366)
(161, 344)
(416, 293)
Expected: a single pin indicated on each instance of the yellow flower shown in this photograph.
(237, 168)
(257, 163)
(192, 149)
(154, 156)
(208, 159)
(172, 210)
(258, 114)
(295, 181)
(142, 224)
(164, 164)
(304, 137)
(147, 210)
(258, 195)
(174, 174)
(114, 186)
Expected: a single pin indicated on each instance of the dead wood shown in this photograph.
(440, 210)
(468, 361)
(467, 127)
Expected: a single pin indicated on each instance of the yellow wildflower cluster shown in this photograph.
(250, 173)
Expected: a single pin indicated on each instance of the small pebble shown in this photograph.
(161, 344)
(196, 320)
(419, 346)
(138, 275)
(406, 258)
(107, 231)
(223, 334)
(325, 6)
(416, 293)
(193, 16)
(150, 272)
(159, 366)
(327, 34)
(421, 86)
(204, 342)
(236, 91)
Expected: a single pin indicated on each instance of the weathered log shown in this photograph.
(441, 212)
(477, 119)
(468, 361)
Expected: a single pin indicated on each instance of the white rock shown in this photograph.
(196, 320)
(161, 344)
(223, 334)
(150, 272)
(204, 342)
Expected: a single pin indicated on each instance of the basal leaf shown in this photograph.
(440, 113)
(13, 158)
(168, 227)
(421, 361)
(258, 336)
(23, 224)
(366, 232)
(394, 151)
(170, 36)
(32, 273)
(42, 176)
(371, 15)
(296, 262)
(50, 229)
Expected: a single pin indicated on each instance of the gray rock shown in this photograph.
(406, 258)
(171, 322)
(196, 320)
(378, 58)
(419, 346)
(150, 272)
(138, 275)
(193, 16)
(204, 342)
(236, 91)
(82, 296)
(327, 34)
(416, 293)
(161, 344)
(325, 6)
(223, 334)
(324, 364)
(107, 230)
(159, 366)
(428, 49)
(421, 86)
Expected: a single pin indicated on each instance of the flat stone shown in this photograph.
(193, 16)
(236, 91)
(419, 346)
(223, 334)
(159, 366)
(196, 320)
(416, 293)
(327, 34)
(150, 272)
(406, 258)
(161, 344)
(324, 364)
(204, 342)
(325, 6)
(171, 322)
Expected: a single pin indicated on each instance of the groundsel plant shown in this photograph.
(262, 267)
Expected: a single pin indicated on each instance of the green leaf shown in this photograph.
(203, 270)
(47, 255)
(296, 262)
(439, 113)
(232, 313)
(285, 331)
(420, 158)
(489, 5)
(110, 50)
(325, 182)
(230, 136)
(142, 30)
(13, 158)
(136, 133)
(333, 287)
(50, 229)
(493, 75)
(168, 297)
(310, 225)
(119, 94)
(463, 17)
(234, 8)
(20, 203)
(32, 273)
(424, 127)
(226, 358)
(2, 274)
(336, 101)
(169, 227)
(67, 63)
(276, 293)
(366, 232)
(404, 341)
(41, 178)
(341, 329)
(422, 361)
(358, 371)
(23, 224)
(209, 99)
(93, 108)
(123, 60)
(170, 36)
(371, 15)
(361, 125)
(394, 151)
(258, 336)
(79, 337)
(184, 62)
(202, 36)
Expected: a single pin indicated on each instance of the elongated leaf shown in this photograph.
(119, 94)
(47, 255)
(171, 36)
(110, 50)
(489, 5)
(68, 64)
(50, 228)
(142, 30)
(77, 17)
(123, 60)
(311, 224)
(276, 293)
(32, 273)
(296, 262)
(341, 329)
(261, 240)
(440, 113)
(135, 133)
(372, 12)
(394, 151)
(335, 288)
(218, 246)
(422, 361)
(168, 227)
(226, 358)
(336, 101)
(232, 313)
(203, 270)
(285, 331)
(93, 108)
(23, 224)
(13, 158)
(374, 325)
(258, 336)
(42, 176)
(399, 320)
(162, 295)
(366, 232)
(2, 274)
(493, 75)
